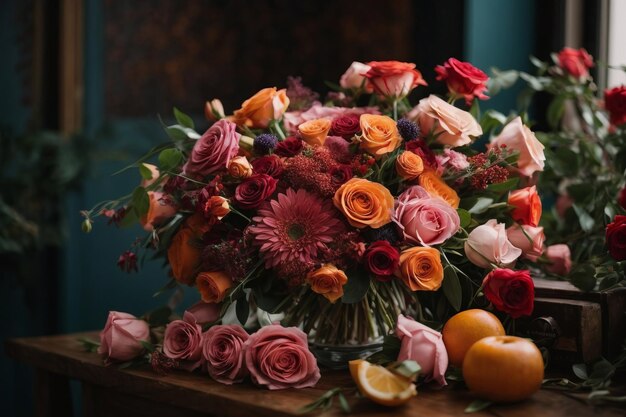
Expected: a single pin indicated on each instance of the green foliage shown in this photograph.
(357, 286)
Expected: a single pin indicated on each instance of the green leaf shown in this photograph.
(586, 221)
(170, 285)
(580, 370)
(180, 133)
(477, 405)
(89, 345)
(159, 317)
(555, 111)
(140, 201)
(482, 204)
(130, 218)
(584, 277)
(357, 286)
(343, 403)
(147, 346)
(183, 119)
(145, 172)
(505, 186)
(452, 288)
(408, 369)
(169, 159)
(465, 217)
(501, 80)
(492, 119)
(242, 308)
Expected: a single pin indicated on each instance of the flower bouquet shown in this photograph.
(335, 219)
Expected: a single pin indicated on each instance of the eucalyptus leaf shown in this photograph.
(482, 204)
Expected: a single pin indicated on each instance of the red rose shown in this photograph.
(346, 126)
(463, 79)
(254, 190)
(340, 174)
(616, 238)
(270, 165)
(381, 258)
(512, 292)
(575, 62)
(621, 199)
(615, 103)
(289, 147)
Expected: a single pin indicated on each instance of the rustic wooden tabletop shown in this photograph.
(139, 392)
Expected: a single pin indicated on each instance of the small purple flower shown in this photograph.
(408, 130)
(265, 143)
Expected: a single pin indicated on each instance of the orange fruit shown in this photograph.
(353, 365)
(381, 385)
(503, 368)
(464, 329)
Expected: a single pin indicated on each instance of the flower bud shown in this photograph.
(86, 226)
(214, 110)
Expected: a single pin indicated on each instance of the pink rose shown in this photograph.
(223, 352)
(453, 126)
(183, 341)
(452, 159)
(354, 78)
(561, 259)
(212, 152)
(204, 313)
(527, 238)
(425, 346)
(487, 244)
(121, 336)
(424, 219)
(517, 137)
(279, 357)
(293, 119)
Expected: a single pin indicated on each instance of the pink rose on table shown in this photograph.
(463, 79)
(212, 152)
(488, 244)
(575, 62)
(354, 76)
(512, 292)
(452, 126)
(120, 340)
(517, 137)
(222, 351)
(278, 357)
(528, 238)
(560, 258)
(183, 342)
(204, 313)
(254, 190)
(425, 346)
(424, 219)
(393, 78)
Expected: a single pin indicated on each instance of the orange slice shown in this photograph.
(381, 385)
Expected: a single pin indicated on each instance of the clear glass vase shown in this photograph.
(341, 332)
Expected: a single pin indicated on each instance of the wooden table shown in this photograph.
(108, 391)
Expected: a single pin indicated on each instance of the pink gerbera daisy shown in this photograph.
(294, 227)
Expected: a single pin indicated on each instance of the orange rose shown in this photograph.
(420, 268)
(263, 107)
(213, 286)
(380, 134)
(364, 203)
(184, 256)
(314, 132)
(437, 187)
(327, 281)
(239, 167)
(526, 206)
(409, 165)
(160, 209)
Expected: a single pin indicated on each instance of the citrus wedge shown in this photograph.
(381, 385)
(354, 368)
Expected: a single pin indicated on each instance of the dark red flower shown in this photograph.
(512, 292)
(615, 103)
(270, 165)
(346, 126)
(420, 148)
(127, 262)
(251, 193)
(575, 62)
(616, 238)
(340, 174)
(381, 259)
(621, 199)
(289, 147)
(463, 79)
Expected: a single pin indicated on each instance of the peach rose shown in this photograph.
(263, 107)
(214, 110)
(435, 186)
(452, 126)
(314, 131)
(146, 182)
(409, 165)
(517, 137)
(239, 167)
(393, 78)
(487, 245)
(364, 203)
(526, 206)
(560, 257)
(216, 206)
(354, 77)
(160, 209)
(327, 281)
(528, 238)
(213, 286)
(184, 256)
(420, 268)
(380, 134)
